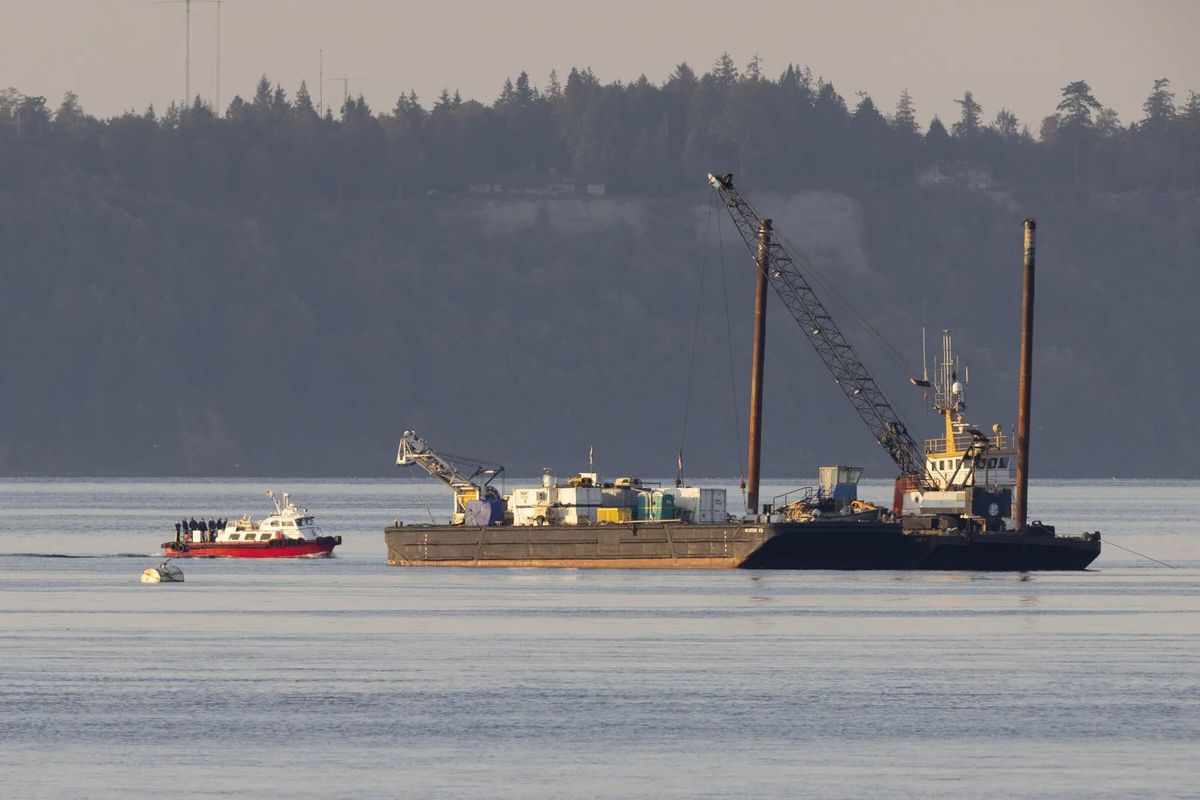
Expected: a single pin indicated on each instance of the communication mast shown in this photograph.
(187, 48)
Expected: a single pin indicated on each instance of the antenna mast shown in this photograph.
(187, 48)
(345, 82)
(187, 54)
(217, 102)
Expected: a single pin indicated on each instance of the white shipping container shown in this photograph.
(527, 505)
(700, 505)
(578, 504)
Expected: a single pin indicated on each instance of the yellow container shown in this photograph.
(622, 514)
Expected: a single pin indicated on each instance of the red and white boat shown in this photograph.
(288, 533)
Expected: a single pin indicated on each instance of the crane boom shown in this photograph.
(468, 478)
(823, 334)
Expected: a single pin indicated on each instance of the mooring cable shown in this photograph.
(1108, 540)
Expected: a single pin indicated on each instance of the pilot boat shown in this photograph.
(290, 532)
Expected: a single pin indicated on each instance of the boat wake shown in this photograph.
(155, 554)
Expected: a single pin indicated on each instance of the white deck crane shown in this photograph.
(468, 478)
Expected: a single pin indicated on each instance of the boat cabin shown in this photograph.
(288, 522)
(973, 473)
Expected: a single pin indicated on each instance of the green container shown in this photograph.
(655, 506)
(663, 506)
(643, 506)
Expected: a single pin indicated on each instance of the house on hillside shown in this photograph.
(967, 174)
(548, 184)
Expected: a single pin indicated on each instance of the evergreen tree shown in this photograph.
(1108, 125)
(1075, 109)
(69, 113)
(754, 69)
(1159, 107)
(968, 125)
(1189, 117)
(1048, 131)
(262, 96)
(1006, 125)
(683, 78)
(937, 141)
(905, 118)
(279, 102)
(524, 94)
(303, 107)
(507, 95)
(724, 72)
(238, 110)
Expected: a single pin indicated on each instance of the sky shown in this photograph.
(125, 54)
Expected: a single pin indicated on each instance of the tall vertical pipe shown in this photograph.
(187, 58)
(1026, 380)
(756, 374)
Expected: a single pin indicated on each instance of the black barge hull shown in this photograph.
(849, 545)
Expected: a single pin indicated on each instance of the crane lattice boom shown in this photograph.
(826, 338)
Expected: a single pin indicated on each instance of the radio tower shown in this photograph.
(187, 48)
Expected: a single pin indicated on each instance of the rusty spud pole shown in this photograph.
(1026, 381)
(756, 374)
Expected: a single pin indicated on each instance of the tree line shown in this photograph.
(794, 131)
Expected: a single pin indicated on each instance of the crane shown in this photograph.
(848, 370)
(469, 478)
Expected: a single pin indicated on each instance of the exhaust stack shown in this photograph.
(1026, 380)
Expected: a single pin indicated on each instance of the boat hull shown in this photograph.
(320, 548)
(848, 545)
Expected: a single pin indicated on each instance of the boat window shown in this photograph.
(262, 537)
(289, 523)
(991, 463)
(233, 537)
(1004, 462)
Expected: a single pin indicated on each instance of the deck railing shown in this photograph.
(806, 494)
(962, 441)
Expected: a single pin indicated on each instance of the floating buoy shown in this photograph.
(163, 573)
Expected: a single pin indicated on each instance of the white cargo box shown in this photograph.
(578, 504)
(699, 505)
(569, 505)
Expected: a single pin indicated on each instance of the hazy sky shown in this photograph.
(119, 54)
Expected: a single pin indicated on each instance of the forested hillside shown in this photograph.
(276, 291)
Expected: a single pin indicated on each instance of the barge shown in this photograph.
(959, 502)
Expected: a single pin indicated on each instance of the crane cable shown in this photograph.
(412, 473)
(737, 418)
(687, 397)
(829, 289)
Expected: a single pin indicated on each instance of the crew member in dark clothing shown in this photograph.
(178, 530)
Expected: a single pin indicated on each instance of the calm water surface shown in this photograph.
(347, 678)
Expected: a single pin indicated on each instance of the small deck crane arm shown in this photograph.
(826, 338)
(469, 478)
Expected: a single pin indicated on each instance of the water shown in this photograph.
(348, 678)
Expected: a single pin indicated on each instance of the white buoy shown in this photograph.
(163, 573)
